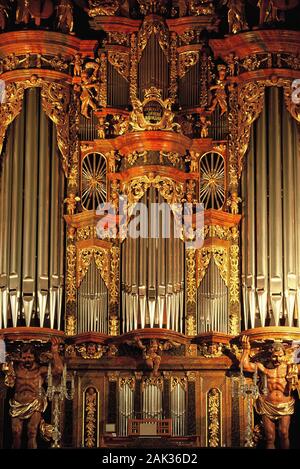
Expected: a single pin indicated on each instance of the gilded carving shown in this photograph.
(191, 328)
(156, 25)
(191, 275)
(214, 418)
(119, 60)
(114, 272)
(181, 381)
(84, 260)
(142, 118)
(90, 417)
(186, 61)
(102, 8)
(71, 274)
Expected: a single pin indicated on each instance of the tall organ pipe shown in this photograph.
(31, 201)
(270, 255)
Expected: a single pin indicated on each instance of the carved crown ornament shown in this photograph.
(153, 113)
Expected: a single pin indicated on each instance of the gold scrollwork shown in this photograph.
(170, 190)
(128, 381)
(164, 117)
(181, 381)
(187, 60)
(119, 60)
(153, 381)
(71, 273)
(191, 328)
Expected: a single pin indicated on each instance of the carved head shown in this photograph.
(28, 357)
(277, 354)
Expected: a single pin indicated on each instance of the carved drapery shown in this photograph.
(153, 25)
(84, 259)
(220, 256)
(55, 101)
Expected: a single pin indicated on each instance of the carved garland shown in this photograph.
(55, 101)
(90, 418)
(186, 61)
(214, 418)
(114, 272)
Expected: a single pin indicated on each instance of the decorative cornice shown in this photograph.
(257, 41)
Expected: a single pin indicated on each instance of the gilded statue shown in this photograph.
(152, 352)
(236, 16)
(64, 11)
(33, 9)
(29, 402)
(87, 97)
(4, 7)
(219, 89)
(77, 62)
(274, 403)
(204, 124)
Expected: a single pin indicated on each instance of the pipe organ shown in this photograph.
(32, 229)
(271, 240)
(149, 166)
(153, 272)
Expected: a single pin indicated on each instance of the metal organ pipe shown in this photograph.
(153, 275)
(212, 301)
(93, 302)
(270, 256)
(31, 218)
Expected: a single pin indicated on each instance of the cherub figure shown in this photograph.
(77, 71)
(236, 16)
(203, 123)
(102, 126)
(86, 96)
(220, 91)
(71, 202)
(152, 352)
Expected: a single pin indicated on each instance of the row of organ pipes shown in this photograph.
(31, 221)
(271, 221)
(92, 302)
(212, 301)
(152, 407)
(153, 277)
